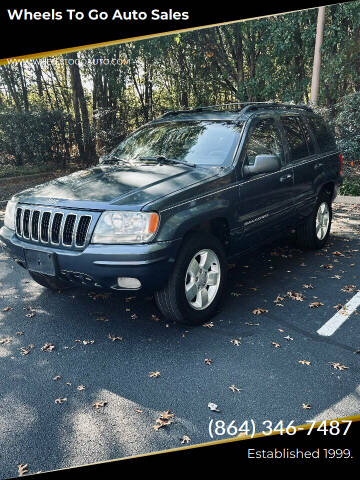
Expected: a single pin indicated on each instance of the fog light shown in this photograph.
(128, 282)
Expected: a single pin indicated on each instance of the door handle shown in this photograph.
(318, 165)
(286, 178)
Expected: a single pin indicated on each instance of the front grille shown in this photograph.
(53, 226)
(82, 229)
(44, 229)
(35, 225)
(26, 219)
(55, 231)
(69, 229)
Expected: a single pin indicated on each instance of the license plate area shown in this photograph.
(40, 262)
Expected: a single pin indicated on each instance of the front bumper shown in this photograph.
(101, 265)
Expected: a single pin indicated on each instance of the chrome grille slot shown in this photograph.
(18, 221)
(35, 225)
(82, 229)
(56, 226)
(69, 229)
(44, 229)
(26, 218)
(53, 226)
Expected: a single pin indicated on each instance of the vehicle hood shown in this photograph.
(116, 185)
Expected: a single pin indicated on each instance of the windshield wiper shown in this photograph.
(162, 159)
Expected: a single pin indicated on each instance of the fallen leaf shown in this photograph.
(327, 266)
(208, 361)
(154, 374)
(259, 311)
(338, 307)
(276, 345)
(304, 362)
(99, 404)
(288, 338)
(306, 406)
(48, 347)
(26, 350)
(6, 309)
(296, 296)
(213, 407)
(185, 439)
(234, 389)
(57, 377)
(278, 299)
(166, 418)
(80, 388)
(22, 469)
(338, 366)
(315, 304)
(60, 400)
(236, 341)
(348, 288)
(208, 325)
(113, 338)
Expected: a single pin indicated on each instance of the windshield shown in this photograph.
(199, 143)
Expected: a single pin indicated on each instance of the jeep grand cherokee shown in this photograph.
(167, 208)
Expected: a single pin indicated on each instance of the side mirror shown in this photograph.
(263, 164)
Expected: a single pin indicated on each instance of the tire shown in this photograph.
(201, 265)
(308, 234)
(51, 283)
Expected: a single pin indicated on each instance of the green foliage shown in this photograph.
(46, 115)
(30, 137)
(347, 126)
(350, 187)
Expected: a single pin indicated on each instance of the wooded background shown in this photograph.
(71, 109)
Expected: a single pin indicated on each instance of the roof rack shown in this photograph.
(240, 107)
(257, 105)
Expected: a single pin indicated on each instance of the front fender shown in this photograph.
(176, 222)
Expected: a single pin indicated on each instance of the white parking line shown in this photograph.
(340, 317)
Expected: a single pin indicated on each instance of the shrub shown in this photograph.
(31, 137)
(347, 126)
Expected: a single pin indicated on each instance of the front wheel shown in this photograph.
(314, 232)
(197, 282)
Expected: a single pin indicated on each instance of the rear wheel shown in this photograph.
(195, 287)
(314, 232)
(49, 282)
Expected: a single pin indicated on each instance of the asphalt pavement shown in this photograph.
(63, 353)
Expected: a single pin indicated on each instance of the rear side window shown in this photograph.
(296, 137)
(322, 134)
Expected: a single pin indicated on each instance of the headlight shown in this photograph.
(9, 219)
(125, 227)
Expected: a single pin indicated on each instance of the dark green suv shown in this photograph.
(167, 208)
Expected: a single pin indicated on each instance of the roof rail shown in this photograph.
(257, 105)
(240, 107)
